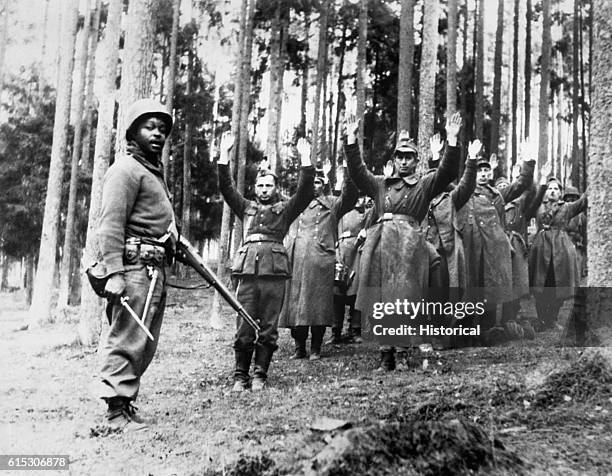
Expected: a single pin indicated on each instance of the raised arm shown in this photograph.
(462, 193)
(305, 189)
(522, 183)
(578, 206)
(449, 166)
(233, 197)
(348, 197)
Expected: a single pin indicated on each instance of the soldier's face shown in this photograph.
(484, 175)
(570, 198)
(501, 185)
(265, 187)
(150, 134)
(405, 163)
(553, 192)
(318, 188)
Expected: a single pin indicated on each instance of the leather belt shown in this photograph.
(398, 216)
(346, 235)
(258, 237)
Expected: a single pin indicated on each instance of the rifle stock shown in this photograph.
(187, 254)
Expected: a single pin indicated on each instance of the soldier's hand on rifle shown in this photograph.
(304, 149)
(474, 149)
(351, 121)
(435, 145)
(493, 161)
(115, 287)
(453, 126)
(227, 142)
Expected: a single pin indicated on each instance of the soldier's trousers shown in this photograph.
(262, 298)
(127, 351)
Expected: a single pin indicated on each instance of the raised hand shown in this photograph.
(435, 145)
(227, 142)
(326, 167)
(528, 149)
(545, 171)
(388, 169)
(303, 148)
(474, 149)
(339, 177)
(351, 122)
(453, 126)
(516, 171)
(493, 161)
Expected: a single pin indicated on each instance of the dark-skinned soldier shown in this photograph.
(261, 264)
(135, 217)
(396, 258)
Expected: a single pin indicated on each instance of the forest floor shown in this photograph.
(197, 426)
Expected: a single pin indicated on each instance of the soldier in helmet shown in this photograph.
(135, 217)
(577, 229)
(396, 258)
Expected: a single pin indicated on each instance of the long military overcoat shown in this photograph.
(347, 251)
(311, 244)
(552, 246)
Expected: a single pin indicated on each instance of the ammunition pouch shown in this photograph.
(97, 276)
(138, 250)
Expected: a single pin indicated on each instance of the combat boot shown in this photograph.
(317, 333)
(241, 373)
(355, 335)
(336, 337)
(121, 415)
(263, 357)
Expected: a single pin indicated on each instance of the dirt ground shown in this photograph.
(199, 427)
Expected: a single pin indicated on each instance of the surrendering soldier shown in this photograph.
(577, 230)
(261, 264)
(518, 214)
(553, 266)
(135, 217)
(488, 256)
(309, 300)
(396, 259)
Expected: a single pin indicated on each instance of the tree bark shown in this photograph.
(451, 62)
(276, 78)
(136, 69)
(497, 79)
(339, 98)
(321, 75)
(479, 100)
(186, 204)
(4, 6)
(544, 83)
(78, 96)
(91, 76)
(361, 71)
(406, 63)
(528, 15)
(427, 78)
(515, 53)
(305, 70)
(40, 310)
(171, 80)
(91, 305)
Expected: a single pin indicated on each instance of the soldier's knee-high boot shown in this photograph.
(299, 334)
(387, 358)
(241, 372)
(316, 340)
(263, 357)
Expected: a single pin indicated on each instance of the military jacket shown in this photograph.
(265, 225)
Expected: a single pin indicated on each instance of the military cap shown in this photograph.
(405, 143)
(501, 180)
(571, 190)
(483, 162)
(145, 107)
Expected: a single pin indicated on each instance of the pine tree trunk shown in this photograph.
(339, 96)
(479, 83)
(216, 321)
(91, 76)
(136, 69)
(92, 309)
(451, 62)
(305, 70)
(42, 80)
(321, 75)
(406, 62)
(360, 92)
(40, 310)
(171, 80)
(427, 78)
(5, 269)
(4, 6)
(186, 204)
(276, 77)
(497, 79)
(515, 53)
(599, 222)
(544, 83)
(528, 15)
(78, 96)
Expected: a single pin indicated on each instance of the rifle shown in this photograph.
(187, 254)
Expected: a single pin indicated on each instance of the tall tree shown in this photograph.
(497, 79)
(89, 95)
(78, 96)
(171, 79)
(544, 83)
(360, 92)
(427, 77)
(406, 62)
(479, 100)
(599, 221)
(528, 15)
(4, 12)
(321, 76)
(186, 204)
(514, 106)
(91, 305)
(451, 61)
(136, 69)
(305, 71)
(40, 309)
